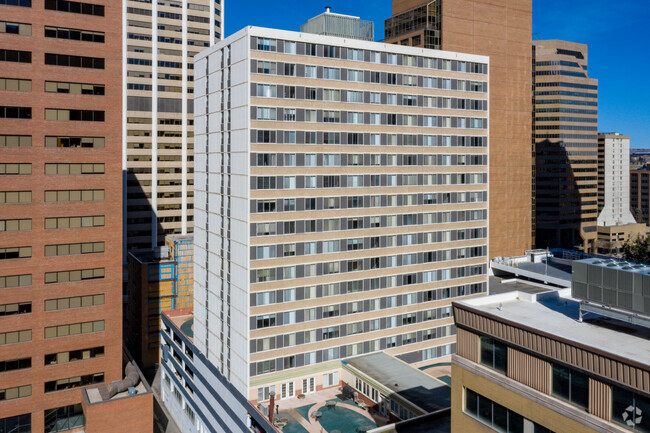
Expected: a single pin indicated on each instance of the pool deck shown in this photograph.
(319, 401)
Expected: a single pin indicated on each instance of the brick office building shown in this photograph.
(60, 208)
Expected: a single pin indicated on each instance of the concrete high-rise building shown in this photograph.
(160, 40)
(503, 31)
(60, 209)
(538, 363)
(614, 180)
(566, 146)
(341, 204)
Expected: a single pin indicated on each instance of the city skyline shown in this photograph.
(606, 29)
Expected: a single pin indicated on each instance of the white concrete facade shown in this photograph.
(236, 328)
(614, 180)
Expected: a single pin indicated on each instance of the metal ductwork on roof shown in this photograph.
(132, 379)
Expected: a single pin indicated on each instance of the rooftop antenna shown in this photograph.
(500, 307)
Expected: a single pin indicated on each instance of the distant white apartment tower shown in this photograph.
(614, 180)
(160, 40)
(341, 204)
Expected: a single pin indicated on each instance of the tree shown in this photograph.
(637, 249)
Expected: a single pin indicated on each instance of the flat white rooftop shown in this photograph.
(556, 313)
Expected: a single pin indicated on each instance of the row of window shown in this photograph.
(74, 195)
(335, 224)
(15, 364)
(8, 112)
(349, 329)
(300, 48)
(75, 222)
(74, 61)
(15, 225)
(16, 56)
(15, 141)
(498, 417)
(75, 7)
(310, 358)
(351, 138)
(15, 308)
(366, 118)
(22, 3)
(74, 115)
(76, 275)
(15, 253)
(74, 34)
(17, 392)
(15, 84)
(74, 329)
(15, 28)
(15, 169)
(338, 245)
(382, 262)
(11, 281)
(74, 382)
(18, 423)
(73, 355)
(13, 197)
(74, 168)
(15, 337)
(367, 180)
(73, 302)
(64, 418)
(366, 76)
(363, 159)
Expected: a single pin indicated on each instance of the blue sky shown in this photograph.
(616, 32)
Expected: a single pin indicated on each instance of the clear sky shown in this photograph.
(617, 32)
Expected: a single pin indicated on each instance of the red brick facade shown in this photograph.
(38, 237)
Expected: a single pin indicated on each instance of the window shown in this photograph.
(73, 355)
(266, 113)
(74, 61)
(15, 84)
(74, 195)
(266, 44)
(75, 7)
(15, 364)
(310, 72)
(74, 382)
(10, 281)
(15, 112)
(64, 418)
(630, 409)
(15, 169)
(15, 253)
(331, 73)
(267, 91)
(15, 141)
(18, 423)
(74, 34)
(493, 414)
(71, 276)
(16, 308)
(73, 169)
(494, 354)
(90, 142)
(266, 67)
(290, 47)
(73, 302)
(263, 394)
(571, 385)
(17, 392)
(15, 337)
(74, 222)
(15, 56)
(74, 329)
